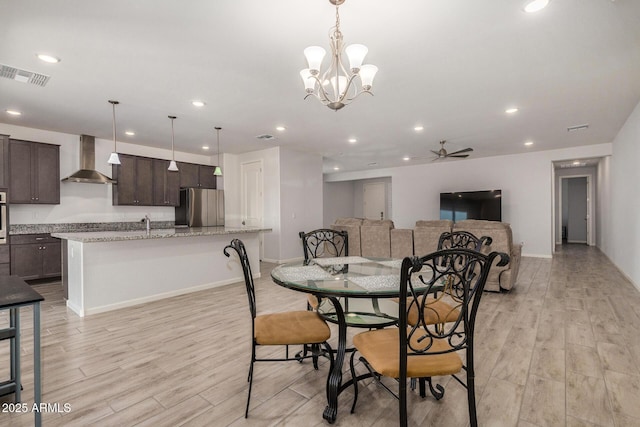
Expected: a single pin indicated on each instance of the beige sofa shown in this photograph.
(379, 238)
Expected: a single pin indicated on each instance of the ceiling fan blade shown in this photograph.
(435, 152)
(466, 150)
(458, 155)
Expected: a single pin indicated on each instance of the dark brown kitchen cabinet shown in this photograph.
(4, 161)
(34, 172)
(196, 176)
(35, 256)
(166, 184)
(5, 260)
(134, 176)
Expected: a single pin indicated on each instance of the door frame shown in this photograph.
(590, 208)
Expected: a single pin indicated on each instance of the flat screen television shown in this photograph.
(471, 205)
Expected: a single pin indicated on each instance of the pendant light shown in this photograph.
(218, 170)
(172, 166)
(113, 158)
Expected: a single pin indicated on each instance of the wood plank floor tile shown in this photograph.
(554, 351)
(587, 400)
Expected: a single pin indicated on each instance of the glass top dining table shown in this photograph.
(342, 280)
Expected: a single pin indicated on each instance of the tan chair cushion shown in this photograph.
(381, 348)
(291, 328)
(436, 311)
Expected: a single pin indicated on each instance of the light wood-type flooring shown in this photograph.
(561, 349)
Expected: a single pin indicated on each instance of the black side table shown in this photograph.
(16, 293)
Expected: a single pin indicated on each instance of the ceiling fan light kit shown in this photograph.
(335, 87)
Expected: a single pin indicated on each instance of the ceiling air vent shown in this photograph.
(578, 127)
(266, 137)
(23, 76)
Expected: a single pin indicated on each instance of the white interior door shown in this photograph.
(251, 199)
(374, 200)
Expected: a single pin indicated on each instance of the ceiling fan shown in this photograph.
(442, 153)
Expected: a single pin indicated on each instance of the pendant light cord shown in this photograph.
(113, 104)
(173, 155)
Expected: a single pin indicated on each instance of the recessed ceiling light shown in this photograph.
(352, 140)
(336, 168)
(205, 147)
(406, 158)
(528, 143)
(511, 110)
(13, 112)
(418, 128)
(536, 5)
(130, 133)
(197, 103)
(48, 58)
(280, 128)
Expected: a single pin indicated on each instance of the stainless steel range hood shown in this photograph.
(87, 172)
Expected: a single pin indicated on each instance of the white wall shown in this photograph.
(338, 201)
(293, 202)
(604, 217)
(624, 247)
(88, 202)
(525, 181)
(301, 199)
(270, 159)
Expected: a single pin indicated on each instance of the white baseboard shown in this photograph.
(537, 256)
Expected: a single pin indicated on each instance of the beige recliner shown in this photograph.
(352, 227)
(499, 277)
(375, 238)
(426, 235)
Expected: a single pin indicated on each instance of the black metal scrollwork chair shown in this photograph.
(287, 328)
(438, 311)
(422, 350)
(326, 242)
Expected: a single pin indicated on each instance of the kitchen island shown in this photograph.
(107, 270)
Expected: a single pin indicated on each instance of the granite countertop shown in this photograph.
(117, 236)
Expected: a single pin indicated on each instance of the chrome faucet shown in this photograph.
(147, 222)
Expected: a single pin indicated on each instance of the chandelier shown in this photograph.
(335, 87)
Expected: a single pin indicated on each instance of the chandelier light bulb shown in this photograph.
(356, 54)
(367, 73)
(309, 81)
(314, 55)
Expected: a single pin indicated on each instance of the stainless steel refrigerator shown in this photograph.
(200, 208)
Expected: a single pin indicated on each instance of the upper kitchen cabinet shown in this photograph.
(134, 176)
(4, 161)
(34, 172)
(196, 176)
(166, 184)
